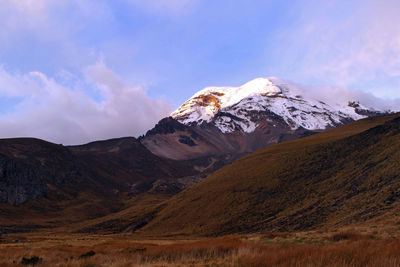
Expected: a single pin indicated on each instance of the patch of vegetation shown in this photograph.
(88, 254)
(31, 261)
(349, 236)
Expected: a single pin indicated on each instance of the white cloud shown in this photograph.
(53, 112)
(342, 95)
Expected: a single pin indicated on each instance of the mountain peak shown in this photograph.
(203, 105)
(261, 86)
(242, 108)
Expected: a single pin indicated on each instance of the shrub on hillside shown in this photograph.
(31, 261)
(349, 236)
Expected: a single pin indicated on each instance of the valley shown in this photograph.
(191, 193)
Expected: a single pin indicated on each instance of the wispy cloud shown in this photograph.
(60, 114)
(47, 19)
(341, 95)
(343, 43)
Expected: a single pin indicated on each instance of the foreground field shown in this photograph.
(367, 246)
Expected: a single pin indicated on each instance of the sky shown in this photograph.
(74, 71)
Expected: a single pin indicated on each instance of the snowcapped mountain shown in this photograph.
(220, 121)
(239, 108)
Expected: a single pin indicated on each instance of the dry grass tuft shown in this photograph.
(272, 235)
(353, 236)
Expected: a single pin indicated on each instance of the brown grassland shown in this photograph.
(374, 245)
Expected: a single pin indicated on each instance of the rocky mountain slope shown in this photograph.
(339, 177)
(30, 167)
(27, 165)
(48, 185)
(237, 120)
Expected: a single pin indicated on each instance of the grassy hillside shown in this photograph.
(343, 176)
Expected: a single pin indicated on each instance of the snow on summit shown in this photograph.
(233, 108)
(203, 105)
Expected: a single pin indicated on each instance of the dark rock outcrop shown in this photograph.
(28, 165)
(167, 126)
(19, 182)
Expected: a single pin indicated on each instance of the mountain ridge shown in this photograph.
(262, 94)
(234, 121)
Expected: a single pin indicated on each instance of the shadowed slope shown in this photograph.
(28, 164)
(53, 186)
(127, 163)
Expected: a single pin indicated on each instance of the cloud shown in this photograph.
(54, 112)
(31, 9)
(50, 20)
(61, 111)
(343, 43)
(341, 95)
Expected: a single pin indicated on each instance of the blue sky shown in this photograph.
(72, 71)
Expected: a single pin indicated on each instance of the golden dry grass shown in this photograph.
(341, 248)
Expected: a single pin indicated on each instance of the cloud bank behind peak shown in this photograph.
(45, 108)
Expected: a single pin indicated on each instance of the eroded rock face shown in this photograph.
(31, 169)
(166, 126)
(18, 182)
(28, 165)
